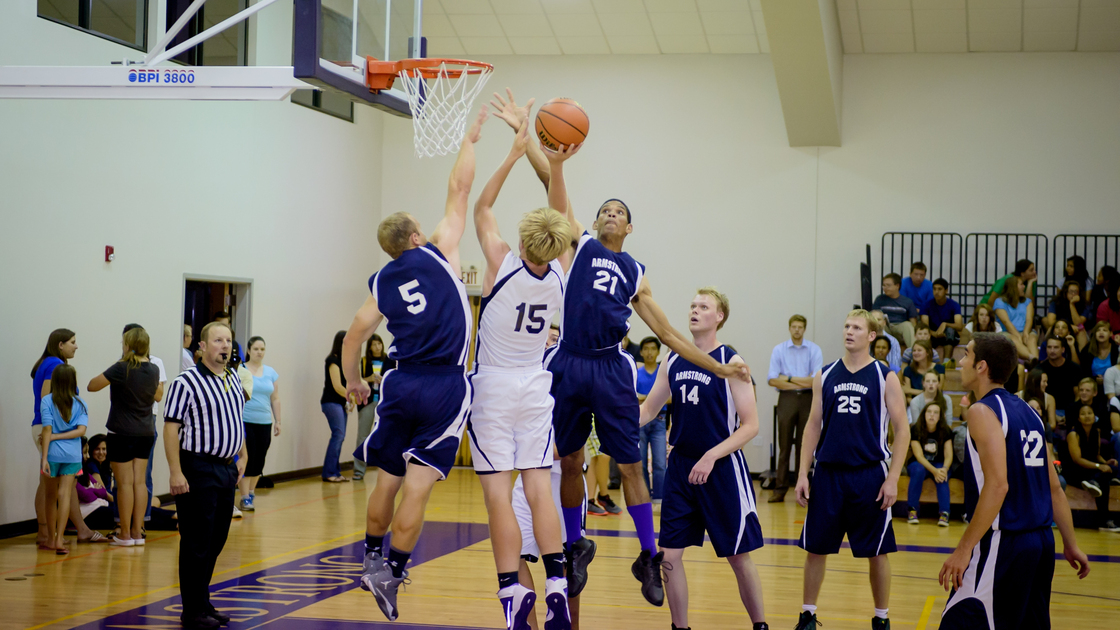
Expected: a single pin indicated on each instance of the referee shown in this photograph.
(206, 402)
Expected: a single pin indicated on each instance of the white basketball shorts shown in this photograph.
(510, 423)
(529, 549)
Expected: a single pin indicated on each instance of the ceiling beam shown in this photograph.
(808, 64)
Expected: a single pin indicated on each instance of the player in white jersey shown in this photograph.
(510, 423)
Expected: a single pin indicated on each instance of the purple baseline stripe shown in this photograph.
(265, 596)
(296, 623)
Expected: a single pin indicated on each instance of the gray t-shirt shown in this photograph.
(897, 309)
(132, 392)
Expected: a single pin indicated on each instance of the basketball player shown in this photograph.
(856, 480)
(591, 374)
(424, 400)
(510, 423)
(1002, 569)
(707, 483)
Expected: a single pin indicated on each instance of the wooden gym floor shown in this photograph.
(294, 565)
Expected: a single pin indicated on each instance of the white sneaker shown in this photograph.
(1092, 487)
(1110, 526)
(517, 604)
(237, 513)
(120, 542)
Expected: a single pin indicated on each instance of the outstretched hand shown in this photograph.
(561, 154)
(734, 370)
(521, 140)
(475, 132)
(509, 111)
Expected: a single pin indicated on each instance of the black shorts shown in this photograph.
(258, 437)
(125, 448)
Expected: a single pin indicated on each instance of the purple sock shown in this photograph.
(573, 522)
(643, 522)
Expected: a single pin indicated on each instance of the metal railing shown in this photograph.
(940, 251)
(989, 257)
(1098, 250)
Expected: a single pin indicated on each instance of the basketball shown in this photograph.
(561, 121)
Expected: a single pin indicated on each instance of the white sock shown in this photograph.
(881, 613)
(809, 608)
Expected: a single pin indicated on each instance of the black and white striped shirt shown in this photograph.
(209, 406)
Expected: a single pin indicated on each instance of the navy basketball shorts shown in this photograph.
(600, 382)
(1006, 585)
(420, 419)
(842, 500)
(724, 506)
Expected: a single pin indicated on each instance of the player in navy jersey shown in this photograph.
(707, 483)
(510, 423)
(424, 401)
(592, 375)
(1002, 569)
(856, 479)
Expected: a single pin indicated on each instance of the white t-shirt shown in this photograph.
(187, 361)
(162, 379)
(968, 327)
(1112, 381)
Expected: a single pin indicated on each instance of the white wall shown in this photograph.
(697, 147)
(275, 192)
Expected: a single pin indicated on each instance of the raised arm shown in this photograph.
(494, 248)
(655, 318)
(658, 394)
(743, 396)
(558, 187)
(449, 231)
(361, 329)
(514, 116)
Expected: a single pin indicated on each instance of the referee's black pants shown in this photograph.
(205, 512)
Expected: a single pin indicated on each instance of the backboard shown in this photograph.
(332, 38)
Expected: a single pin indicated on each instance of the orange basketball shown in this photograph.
(561, 121)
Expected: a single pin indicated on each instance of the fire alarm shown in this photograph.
(109, 255)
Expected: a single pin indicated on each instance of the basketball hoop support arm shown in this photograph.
(158, 54)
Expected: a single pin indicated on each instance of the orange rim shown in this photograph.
(381, 74)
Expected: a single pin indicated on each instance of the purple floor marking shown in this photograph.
(296, 623)
(264, 596)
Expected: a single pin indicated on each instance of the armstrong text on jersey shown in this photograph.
(690, 375)
(850, 387)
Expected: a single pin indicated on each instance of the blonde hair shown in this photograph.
(721, 302)
(187, 330)
(545, 233)
(394, 233)
(872, 323)
(205, 334)
(136, 343)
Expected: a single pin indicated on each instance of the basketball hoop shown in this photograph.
(440, 95)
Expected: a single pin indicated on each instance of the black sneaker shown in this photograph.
(219, 617)
(807, 621)
(647, 569)
(199, 622)
(880, 624)
(580, 554)
(761, 626)
(607, 503)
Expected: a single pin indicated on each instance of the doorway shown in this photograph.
(207, 297)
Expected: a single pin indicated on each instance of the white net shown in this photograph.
(440, 104)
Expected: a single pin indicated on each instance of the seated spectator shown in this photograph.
(922, 363)
(97, 467)
(916, 287)
(1108, 279)
(1070, 349)
(1112, 382)
(900, 311)
(1087, 396)
(1063, 376)
(1077, 271)
(931, 393)
(983, 320)
(943, 316)
(1100, 354)
(1035, 388)
(881, 350)
(921, 333)
(1087, 467)
(894, 358)
(1067, 305)
(931, 455)
(1109, 310)
(1016, 312)
(100, 515)
(1114, 420)
(1025, 271)
(91, 493)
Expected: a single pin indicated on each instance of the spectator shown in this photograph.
(1062, 375)
(65, 420)
(134, 387)
(1101, 352)
(631, 348)
(894, 359)
(1087, 467)
(186, 362)
(335, 407)
(1035, 388)
(881, 350)
(1076, 271)
(1070, 348)
(262, 421)
(375, 364)
(931, 393)
(1112, 381)
(97, 467)
(652, 436)
(235, 358)
(943, 316)
(155, 412)
(1067, 305)
(1109, 310)
(61, 346)
(916, 287)
(1114, 420)
(1087, 396)
(931, 451)
(793, 364)
(921, 333)
(553, 336)
(91, 494)
(597, 477)
(1108, 279)
(916, 370)
(983, 320)
(1016, 312)
(900, 311)
(1025, 271)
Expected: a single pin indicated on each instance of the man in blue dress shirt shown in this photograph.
(792, 366)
